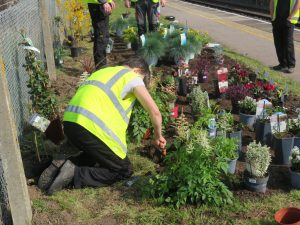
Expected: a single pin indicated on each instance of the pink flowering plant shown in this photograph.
(238, 75)
(295, 159)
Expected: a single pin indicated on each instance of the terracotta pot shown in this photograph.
(288, 216)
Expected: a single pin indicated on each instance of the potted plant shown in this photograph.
(282, 142)
(130, 37)
(258, 159)
(77, 20)
(236, 93)
(295, 167)
(199, 67)
(247, 108)
(59, 53)
(199, 100)
(119, 25)
(294, 128)
(153, 49)
(195, 41)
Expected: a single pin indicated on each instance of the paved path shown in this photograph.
(242, 34)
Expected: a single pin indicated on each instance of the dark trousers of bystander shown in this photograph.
(97, 166)
(283, 32)
(100, 23)
(146, 10)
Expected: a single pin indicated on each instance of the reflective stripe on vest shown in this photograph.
(91, 116)
(107, 90)
(294, 19)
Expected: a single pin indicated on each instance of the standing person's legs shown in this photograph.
(289, 45)
(152, 15)
(101, 34)
(278, 34)
(140, 14)
(110, 168)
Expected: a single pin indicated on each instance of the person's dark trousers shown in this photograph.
(283, 32)
(146, 10)
(100, 23)
(98, 165)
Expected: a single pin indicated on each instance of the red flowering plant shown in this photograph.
(238, 75)
(264, 89)
(200, 66)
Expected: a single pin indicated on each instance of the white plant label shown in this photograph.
(143, 40)
(183, 39)
(278, 122)
(172, 28)
(262, 105)
(165, 32)
(212, 45)
(252, 180)
(39, 122)
(32, 48)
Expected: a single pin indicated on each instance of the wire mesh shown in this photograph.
(23, 15)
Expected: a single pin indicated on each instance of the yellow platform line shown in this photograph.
(255, 32)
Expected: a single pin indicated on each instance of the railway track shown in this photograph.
(252, 11)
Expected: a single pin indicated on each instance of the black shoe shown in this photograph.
(289, 70)
(279, 68)
(64, 177)
(49, 174)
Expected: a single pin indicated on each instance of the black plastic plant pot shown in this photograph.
(295, 179)
(235, 107)
(263, 132)
(238, 136)
(75, 52)
(202, 77)
(54, 132)
(256, 184)
(247, 120)
(183, 87)
(252, 77)
(282, 148)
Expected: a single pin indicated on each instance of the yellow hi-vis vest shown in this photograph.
(295, 19)
(154, 1)
(98, 107)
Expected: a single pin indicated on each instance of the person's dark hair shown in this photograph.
(137, 62)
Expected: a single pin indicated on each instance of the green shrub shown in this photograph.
(192, 173)
(154, 46)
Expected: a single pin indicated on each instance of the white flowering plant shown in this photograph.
(248, 105)
(295, 159)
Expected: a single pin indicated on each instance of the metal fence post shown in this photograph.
(47, 36)
(11, 157)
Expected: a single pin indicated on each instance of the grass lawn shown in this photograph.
(123, 205)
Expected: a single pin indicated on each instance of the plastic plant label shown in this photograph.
(31, 48)
(39, 122)
(172, 29)
(212, 132)
(278, 122)
(222, 80)
(195, 80)
(262, 105)
(143, 40)
(212, 45)
(165, 32)
(182, 39)
(252, 180)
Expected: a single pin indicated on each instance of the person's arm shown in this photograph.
(295, 10)
(271, 9)
(163, 3)
(127, 3)
(149, 105)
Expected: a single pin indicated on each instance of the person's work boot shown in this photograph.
(290, 70)
(49, 174)
(279, 68)
(64, 177)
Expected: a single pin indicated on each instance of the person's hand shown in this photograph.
(163, 3)
(289, 18)
(112, 4)
(161, 142)
(107, 8)
(127, 3)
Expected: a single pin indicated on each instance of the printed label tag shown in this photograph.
(223, 80)
(278, 122)
(183, 39)
(262, 105)
(165, 32)
(143, 40)
(172, 29)
(39, 122)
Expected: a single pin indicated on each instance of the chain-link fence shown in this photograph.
(22, 16)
